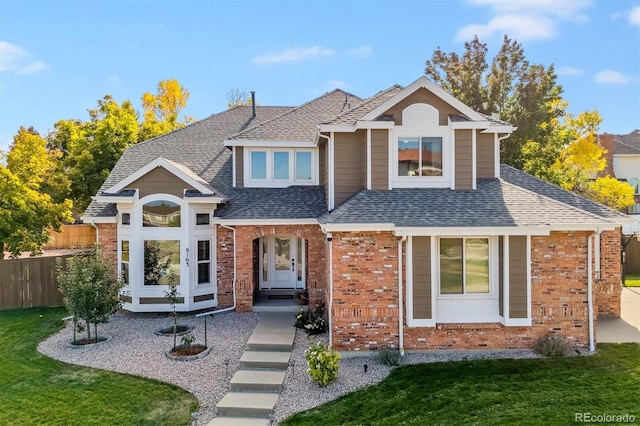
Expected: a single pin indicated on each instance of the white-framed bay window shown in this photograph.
(280, 167)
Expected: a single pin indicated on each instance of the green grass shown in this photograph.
(35, 389)
(632, 281)
(493, 392)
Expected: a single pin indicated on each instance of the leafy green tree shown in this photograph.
(510, 89)
(27, 210)
(94, 147)
(90, 289)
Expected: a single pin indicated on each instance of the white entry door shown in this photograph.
(280, 265)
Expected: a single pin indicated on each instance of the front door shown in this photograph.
(280, 267)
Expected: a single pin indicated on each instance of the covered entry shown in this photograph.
(282, 262)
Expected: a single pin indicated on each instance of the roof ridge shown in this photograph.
(573, 194)
(291, 111)
(365, 102)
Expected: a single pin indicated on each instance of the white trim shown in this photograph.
(585, 226)
(424, 82)
(204, 200)
(331, 166)
(496, 155)
(471, 231)
(115, 199)
(505, 279)
(180, 171)
(270, 144)
(496, 128)
(474, 159)
(98, 219)
(357, 227)
(390, 166)
(453, 159)
(369, 159)
(233, 166)
(260, 222)
(337, 128)
(460, 125)
(368, 124)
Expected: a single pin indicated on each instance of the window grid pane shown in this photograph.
(161, 214)
(431, 156)
(280, 165)
(258, 164)
(303, 165)
(476, 256)
(408, 157)
(451, 266)
(202, 218)
(161, 262)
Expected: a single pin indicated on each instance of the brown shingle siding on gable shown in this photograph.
(159, 180)
(379, 159)
(349, 161)
(485, 152)
(464, 160)
(426, 97)
(518, 277)
(421, 263)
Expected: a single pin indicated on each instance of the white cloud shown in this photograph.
(634, 16)
(360, 52)
(612, 77)
(520, 27)
(525, 19)
(295, 54)
(14, 58)
(569, 71)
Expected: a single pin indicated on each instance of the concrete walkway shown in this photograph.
(627, 327)
(255, 387)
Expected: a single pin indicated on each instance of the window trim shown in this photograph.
(443, 132)
(199, 262)
(271, 181)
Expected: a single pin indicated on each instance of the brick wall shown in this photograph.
(108, 240)
(365, 290)
(607, 291)
(316, 261)
(365, 297)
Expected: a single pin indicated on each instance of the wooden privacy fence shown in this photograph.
(29, 282)
(72, 236)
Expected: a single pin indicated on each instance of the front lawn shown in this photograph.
(35, 389)
(491, 392)
(632, 281)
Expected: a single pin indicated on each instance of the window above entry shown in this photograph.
(279, 168)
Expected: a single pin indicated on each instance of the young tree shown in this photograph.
(511, 89)
(27, 211)
(90, 289)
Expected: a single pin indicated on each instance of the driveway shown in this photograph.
(627, 327)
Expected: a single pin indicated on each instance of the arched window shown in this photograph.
(161, 213)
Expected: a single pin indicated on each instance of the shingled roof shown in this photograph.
(627, 144)
(301, 124)
(359, 111)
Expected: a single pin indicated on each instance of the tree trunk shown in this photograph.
(88, 331)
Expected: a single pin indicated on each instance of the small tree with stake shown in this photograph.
(90, 289)
(173, 296)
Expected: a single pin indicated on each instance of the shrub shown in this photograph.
(551, 346)
(312, 322)
(390, 356)
(302, 297)
(323, 363)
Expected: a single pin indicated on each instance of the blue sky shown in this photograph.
(57, 58)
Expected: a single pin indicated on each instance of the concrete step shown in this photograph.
(256, 381)
(239, 421)
(263, 359)
(247, 404)
(271, 342)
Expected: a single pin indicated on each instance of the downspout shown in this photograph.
(400, 298)
(93, 223)
(330, 310)
(592, 346)
(596, 236)
(219, 311)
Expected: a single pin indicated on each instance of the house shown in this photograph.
(393, 210)
(623, 163)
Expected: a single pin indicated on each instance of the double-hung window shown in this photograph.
(204, 262)
(280, 167)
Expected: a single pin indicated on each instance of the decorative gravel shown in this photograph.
(135, 349)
